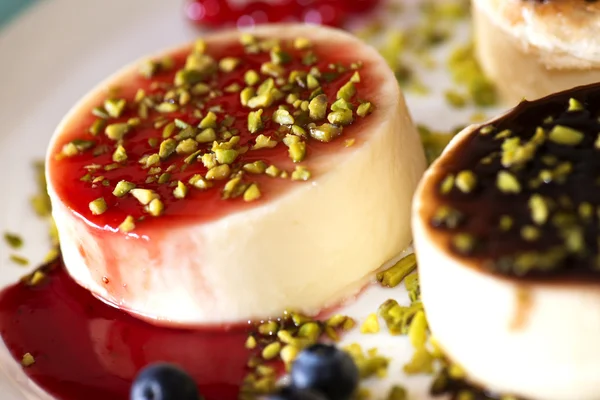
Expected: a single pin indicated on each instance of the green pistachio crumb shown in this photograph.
(325, 132)
(199, 182)
(392, 276)
(97, 126)
(263, 142)
(397, 393)
(98, 206)
(28, 360)
(115, 107)
(226, 156)
(539, 209)
(302, 43)
(318, 107)
(144, 196)
(127, 225)
(421, 363)
(255, 123)
(341, 117)
(455, 98)
(229, 64)
(566, 136)
(364, 109)
(447, 184)
(272, 171)
(167, 107)
(13, 240)
(156, 207)
(206, 136)
(271, 351)
(370, 325)
(506, 222)
(180, 191)
(122, 188)
(187, 146)
(347, 91)
(464, 243)
(530, 233)
(117, 131)
(19, 260)
(283, 117)
(300, 174)
(574, 105)
(218, 172)
(466, 181)
(349, 142)
(148, 68)
(252, 193)
(507, 182)
(120, 154)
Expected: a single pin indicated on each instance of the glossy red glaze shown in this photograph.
(84, 349)
(206, 205)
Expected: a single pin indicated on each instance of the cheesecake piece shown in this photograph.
(237, 177)
(507, 235)
(534, 48)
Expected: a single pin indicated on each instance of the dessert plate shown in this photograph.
(58, 50)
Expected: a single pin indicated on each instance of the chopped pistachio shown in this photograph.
(229, 64)
(187, 146)
(271, 351)
(455, 98)
(349, 142)
(312, 82)
(13, 240)
(246, 94)
(127, 225)
(417, 332)
(464, 243)
(300, 174)
(466, 181)
(392, 276)
(364, 109)
(97, 126)
(251, 77)
(167, 107)
(19, 260)
(218, 172)
(155, 207)
(98, 206)
(120, 154)
(206, 136)
(507, 182)
(318, 107)
(180, 191)
(122, 188)
(530, 233)
(283, 117)
(255, 123)
(199, 182)
(506, 222)
(272, 171)
(27, 360)
(341, 117)
(115, 107)
(209, 160)
(447, 184)
(421, 363)
(164, 178)
(371, 324)
(397, 393)
(539, 209)
(209, 121)
(325, 132)
(564, 135)
(263, 142)
(574, 105)
(272, 69)
(262, 100)
(226, 156)
(148, 68)
(144, 196)
(347, 91)
(116, 131)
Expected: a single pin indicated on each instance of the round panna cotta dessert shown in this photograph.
(533, 48)
(236, 177)
(506, 230)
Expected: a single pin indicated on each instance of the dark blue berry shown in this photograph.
(291, 393)
(164, 382)
(326, 369)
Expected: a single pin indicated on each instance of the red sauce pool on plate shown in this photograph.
(84, 349)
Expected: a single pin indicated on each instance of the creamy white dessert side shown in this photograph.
(236, 178)
(533, 48)
(506, 234)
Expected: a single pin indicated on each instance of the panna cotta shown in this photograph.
(506, 234)
(533, 48)
(236, 177)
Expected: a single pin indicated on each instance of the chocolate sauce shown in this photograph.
(567, 245)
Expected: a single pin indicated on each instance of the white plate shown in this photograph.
(57, 51)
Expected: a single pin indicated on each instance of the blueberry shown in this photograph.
(291, 393)
(164, 382)
(326, 369)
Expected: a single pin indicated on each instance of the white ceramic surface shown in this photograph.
(56, 51)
